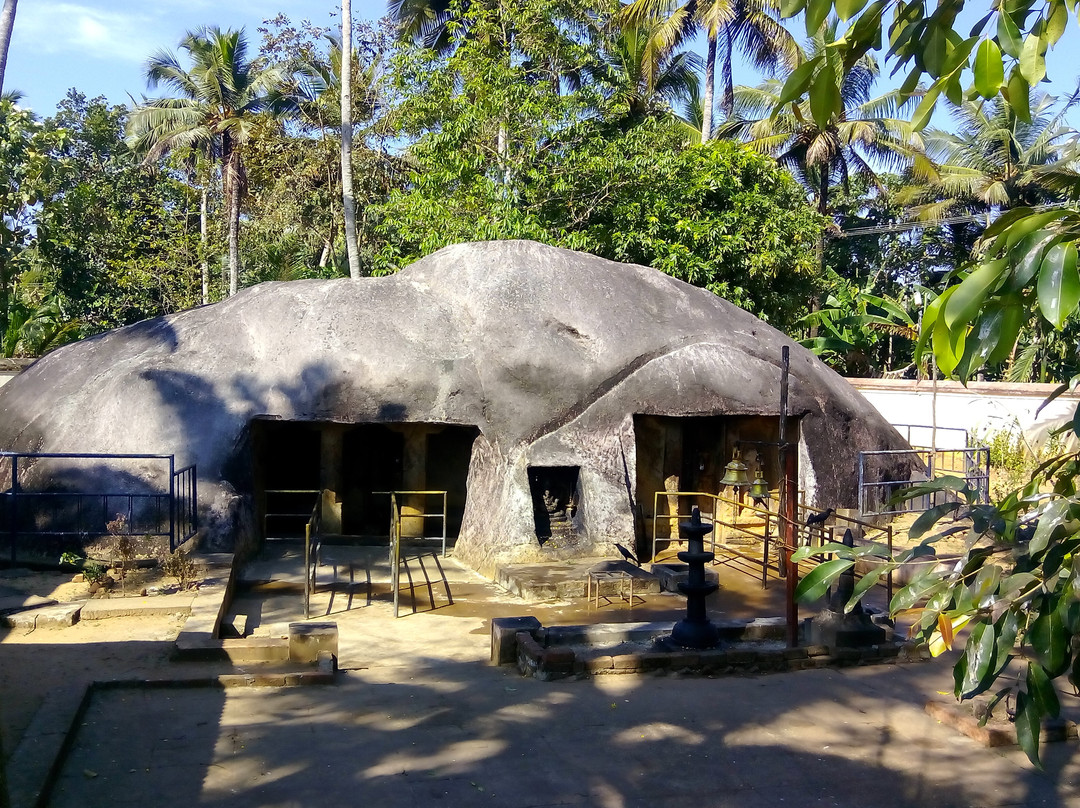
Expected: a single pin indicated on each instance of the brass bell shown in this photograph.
(735, 473)
(759, 489)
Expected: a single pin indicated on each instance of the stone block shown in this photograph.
(504, 632)
(529, 647)
(671, 575)
(600, 663)
(766, 628)
(239, 625)
(683, 660)
(626, 662)
(558, 656)
(651, 661)
(306, 640)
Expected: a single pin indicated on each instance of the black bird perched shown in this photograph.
(627, 554)
(819, 518)
(761, 502)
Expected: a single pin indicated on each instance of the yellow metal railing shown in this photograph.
(766, 526)
(765, 532)
(312, 530)
(395, 512)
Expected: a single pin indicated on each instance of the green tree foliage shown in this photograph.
(25, 169)
(1016, 589)
(503, 149)
(749, 26)
(716, 215)
(293, 165)
(116, 243)
(638, 79)
(218, 99)
(857, 135)
(995, 160)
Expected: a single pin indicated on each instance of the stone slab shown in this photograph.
(58, 615)
(157, 606)
(604, 633)
(308, 640)
(569, 580)
(996, 731)
(34, 763)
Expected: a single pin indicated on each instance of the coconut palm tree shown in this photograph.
(866, 135)
(7, 23)
(641, 78)
(995, 160)
(217, 101)
(750, 26)
(426, 22)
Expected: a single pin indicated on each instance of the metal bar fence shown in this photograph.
(875, 495)
(48, 516)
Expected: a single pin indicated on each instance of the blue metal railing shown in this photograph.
(29, 515)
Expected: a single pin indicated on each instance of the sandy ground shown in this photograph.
(35, 662)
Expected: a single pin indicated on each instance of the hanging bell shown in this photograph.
(735, 473)
(759, 489)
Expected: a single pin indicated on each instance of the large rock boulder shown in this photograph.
(552, 355)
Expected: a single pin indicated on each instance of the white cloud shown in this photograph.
(76, 29)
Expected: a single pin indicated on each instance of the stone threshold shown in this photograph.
(549, 653)
(996, 731)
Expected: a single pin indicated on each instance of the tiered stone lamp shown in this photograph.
(696, 630)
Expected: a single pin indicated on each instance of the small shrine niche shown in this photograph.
(556, 500)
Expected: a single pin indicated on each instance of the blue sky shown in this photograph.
(100, 46)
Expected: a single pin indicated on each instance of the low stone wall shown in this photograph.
(545, 653)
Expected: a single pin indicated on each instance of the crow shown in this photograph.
(819, 518)
(627, 554)
(761, 502)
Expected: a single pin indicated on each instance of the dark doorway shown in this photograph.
(691, 453)
(372, 455)
(556, 497)
(449, 452)
(287, 455)
(356, 465)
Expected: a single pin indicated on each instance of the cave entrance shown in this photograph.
(556, 499)
(690, 453)
(351, 466)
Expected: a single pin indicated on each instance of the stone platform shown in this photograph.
(569, 579)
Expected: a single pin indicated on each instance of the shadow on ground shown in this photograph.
(464, 734)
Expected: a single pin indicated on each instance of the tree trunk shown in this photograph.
(232, 186)
(707, 98)
(7, 22)
(347, 199)
(727, 101)
(204, 245)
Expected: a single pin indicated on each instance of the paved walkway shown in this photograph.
(420, 719)
(463, 734)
